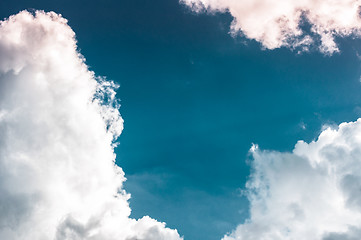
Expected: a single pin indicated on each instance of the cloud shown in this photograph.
(58, 123)
(280, 23)
(313, 193)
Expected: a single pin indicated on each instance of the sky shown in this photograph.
(231, 113)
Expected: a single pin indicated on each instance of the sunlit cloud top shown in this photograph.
(58, 124)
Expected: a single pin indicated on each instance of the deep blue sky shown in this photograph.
(194, 99)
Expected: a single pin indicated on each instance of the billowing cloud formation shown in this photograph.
(277, 23)
(312, 193)
(58, 179)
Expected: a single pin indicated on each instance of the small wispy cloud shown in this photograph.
(279, 23)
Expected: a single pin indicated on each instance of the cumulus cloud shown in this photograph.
(279, 23)
(58, 123)
(313, 193)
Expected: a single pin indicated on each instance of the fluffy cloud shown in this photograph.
(312, 193)
(278, 23)
(58, 123)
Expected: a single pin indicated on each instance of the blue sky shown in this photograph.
(194, 99)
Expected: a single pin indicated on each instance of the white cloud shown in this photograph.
(58, 179)
(277, 23)
(312, 193)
